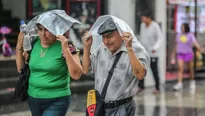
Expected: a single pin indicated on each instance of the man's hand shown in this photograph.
(87, 39)
(127, 37)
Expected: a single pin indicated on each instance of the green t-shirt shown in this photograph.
(49, 77)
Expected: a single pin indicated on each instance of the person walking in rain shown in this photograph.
(53, 61)
(117, 38)
(151, 39)
(183, 51)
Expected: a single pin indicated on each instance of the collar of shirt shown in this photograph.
(122, 48)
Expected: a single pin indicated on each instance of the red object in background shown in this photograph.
(29, 8)
(170, 76)
(175, 18)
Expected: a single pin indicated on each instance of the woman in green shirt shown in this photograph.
(52, 62)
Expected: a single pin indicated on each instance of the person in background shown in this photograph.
(52, 62)
(183, 51)
(151, 39)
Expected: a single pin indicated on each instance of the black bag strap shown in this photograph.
(110, 73)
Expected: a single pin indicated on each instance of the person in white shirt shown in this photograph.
(150, 38)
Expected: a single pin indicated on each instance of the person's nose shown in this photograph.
(43, 32)
(105, 40)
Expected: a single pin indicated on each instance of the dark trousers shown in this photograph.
(127, 109)
(49, 107)
(154, 68)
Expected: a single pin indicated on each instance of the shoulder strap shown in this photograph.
(104, 91)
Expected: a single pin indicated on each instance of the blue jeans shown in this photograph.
(49, 106)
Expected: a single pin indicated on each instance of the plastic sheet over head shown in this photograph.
(56, 21)
(121, 25)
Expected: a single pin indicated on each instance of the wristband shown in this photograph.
(17, 49)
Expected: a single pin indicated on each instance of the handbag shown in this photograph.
(20, 92)
(95, 100)
(21, 87)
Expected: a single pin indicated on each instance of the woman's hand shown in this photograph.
(64, 41)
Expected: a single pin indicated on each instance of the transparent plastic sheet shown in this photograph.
(121, 26)
(56, 21)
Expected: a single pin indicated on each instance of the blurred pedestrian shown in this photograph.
(183, 50)
(52, 62)
(151, 39)
(117, 38)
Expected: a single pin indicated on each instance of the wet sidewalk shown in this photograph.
(166, 103)
(2, 58)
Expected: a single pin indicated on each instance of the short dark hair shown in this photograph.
(186, 27)
(37, 26)
(147, 14)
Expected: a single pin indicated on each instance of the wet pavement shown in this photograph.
(166, 103)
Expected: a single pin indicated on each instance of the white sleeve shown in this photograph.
(159, 37)
(141, 54)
